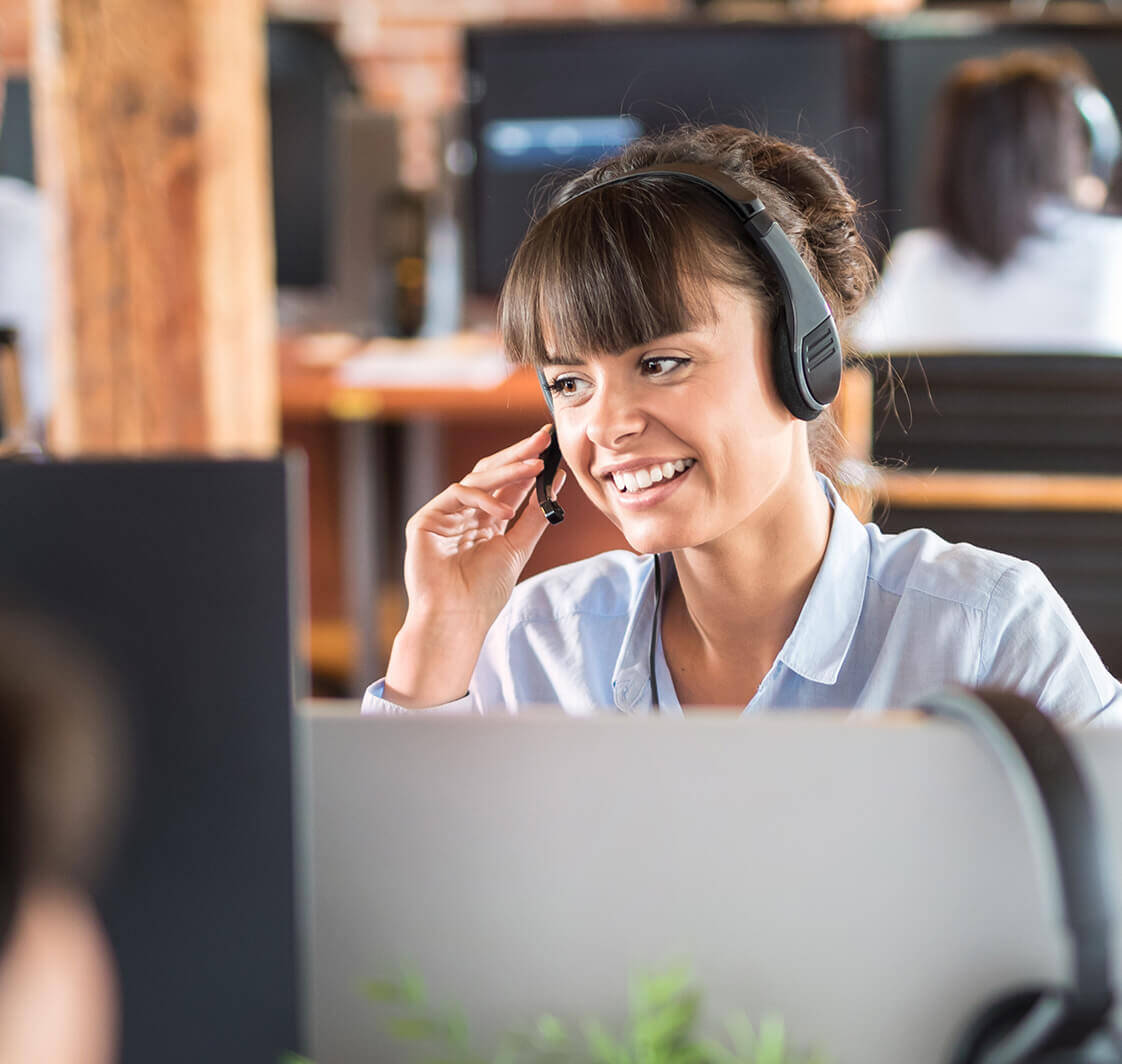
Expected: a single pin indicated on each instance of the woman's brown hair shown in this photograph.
(1006, 136)
(606, 270)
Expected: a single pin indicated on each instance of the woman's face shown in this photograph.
(682, 440)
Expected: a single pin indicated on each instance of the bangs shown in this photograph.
(616, 268)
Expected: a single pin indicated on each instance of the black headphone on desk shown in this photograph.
(807, 352)
(1046, 1024)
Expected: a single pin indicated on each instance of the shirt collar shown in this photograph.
(817, 646)
(821, 638)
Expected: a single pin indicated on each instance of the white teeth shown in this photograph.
(644, 478)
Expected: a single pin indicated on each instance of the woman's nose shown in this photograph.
(613, 416)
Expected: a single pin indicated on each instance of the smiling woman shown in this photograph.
(681, 302)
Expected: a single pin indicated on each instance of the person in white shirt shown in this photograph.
(676, 301)
(1020, 258)
(23, 289)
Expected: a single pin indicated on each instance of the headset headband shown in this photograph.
(1062, 820)
(815, 348)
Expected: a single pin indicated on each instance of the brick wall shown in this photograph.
(15, 18)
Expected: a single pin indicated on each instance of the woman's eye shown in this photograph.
(661, 366)
(564, 386)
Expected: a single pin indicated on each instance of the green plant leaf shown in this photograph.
(664, 1013)
(712, 1052)
(413, 988)
(418, 1028)
(550, 1031)
(772, 1043)
(384, 991)
(651, 991)
(603, 1047)
(742, 1035)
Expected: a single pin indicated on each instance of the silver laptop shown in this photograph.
(870, 882)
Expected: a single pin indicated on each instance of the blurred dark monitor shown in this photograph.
(918, 54)
(178, 573)
(551, 97)
(308, 81)
(17, 155)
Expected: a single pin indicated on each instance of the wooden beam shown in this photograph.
(151, 137)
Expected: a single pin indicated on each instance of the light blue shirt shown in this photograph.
(889, 619)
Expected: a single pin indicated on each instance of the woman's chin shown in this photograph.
(650, 541)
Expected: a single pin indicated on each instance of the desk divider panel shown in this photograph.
(179, 574)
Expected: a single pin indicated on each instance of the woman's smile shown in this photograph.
(651, 485)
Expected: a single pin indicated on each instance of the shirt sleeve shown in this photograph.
(1032, 644)
(374, 701)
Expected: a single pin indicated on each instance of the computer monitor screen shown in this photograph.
(918, 55)
(548, 99)
(307, 79)
(177, 574)
(17, 154)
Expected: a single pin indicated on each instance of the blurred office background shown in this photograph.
(284, 227)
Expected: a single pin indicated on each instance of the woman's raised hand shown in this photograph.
(464, 552)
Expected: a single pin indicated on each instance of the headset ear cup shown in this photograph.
(999, 1020)
(786, 380)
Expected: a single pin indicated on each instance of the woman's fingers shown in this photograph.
(528, 447)
(515, 495)
(498, 477)
(482, 491)
(458, 497)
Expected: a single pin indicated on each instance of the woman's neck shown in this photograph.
(740, 597)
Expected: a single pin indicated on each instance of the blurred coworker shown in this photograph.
(23, 287)
(1021, 258)
(58, 988)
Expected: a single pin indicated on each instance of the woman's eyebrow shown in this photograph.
(674, 339)
(562, 360)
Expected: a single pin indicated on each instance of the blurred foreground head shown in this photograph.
(1009, 135)
(60, 770)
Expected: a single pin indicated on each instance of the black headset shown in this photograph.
(1046, 1024)
(807, 352)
